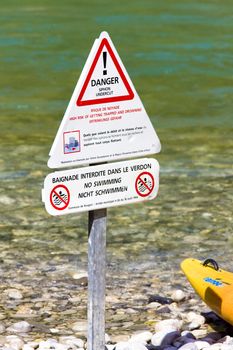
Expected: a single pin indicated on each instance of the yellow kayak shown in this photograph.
(212, 284)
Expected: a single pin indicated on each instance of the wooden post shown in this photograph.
(96, 279)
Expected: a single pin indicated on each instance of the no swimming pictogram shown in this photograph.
(144, 184)
(60, 197)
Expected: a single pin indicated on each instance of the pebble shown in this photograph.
(14, 342)
(195, 318)
(14, 294)
(227, 340)
(129, 346)
(160, 299)
(198, 333)
(189, 346)
(109, 347)
(79, 327)
(121, 346)
(196, 322)
(19, 327)
(183, 340)
(165, 337)
(72, 340)
(142, 337)
(5, 200)
(2, 328)
(217, 346)
(27, 347)
(181, 329)
(170, 324)
(178, 295)
(81, 278)
(201, 344)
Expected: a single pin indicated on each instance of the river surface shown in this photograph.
(179, 56)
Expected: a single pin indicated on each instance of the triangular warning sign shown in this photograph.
(105, 119)
(105, 81)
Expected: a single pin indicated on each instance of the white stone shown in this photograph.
(109, 347)
(27, 347)
(129, 346)
(52, 344)
(44, 345)
(153, 305)
(2, 328)
(122, 345)
(227, 340)
(178, 295)
(14, 342)
(216, 346)
(33, 344)
(165, 337)
(80, 275)
(142, 337)
(193, 325)
(201, 344)
(54, 330)
(14, 294)
(136, 346)
(107, 338)
(195, 318)
(170, 323)
(71, 340)
(187, 334)
(189, 346)
(19, 327)
(226, 347)
(79, 327)
(198, 333)
(6, 200)
(61, 347)
(197, 322)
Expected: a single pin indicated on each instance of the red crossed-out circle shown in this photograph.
(144, 184)
(60, 197)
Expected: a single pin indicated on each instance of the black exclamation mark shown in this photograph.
(105, 61)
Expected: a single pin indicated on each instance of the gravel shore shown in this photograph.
(173, 323)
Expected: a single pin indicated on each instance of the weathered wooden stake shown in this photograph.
(96, 279)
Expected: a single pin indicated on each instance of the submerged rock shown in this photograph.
(14, 294)
(159, 299)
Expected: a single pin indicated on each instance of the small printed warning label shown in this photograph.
(71, 141)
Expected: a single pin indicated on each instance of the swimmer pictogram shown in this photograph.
(144, 184)
(60, 197)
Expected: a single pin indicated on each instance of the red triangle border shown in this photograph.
(130, 95)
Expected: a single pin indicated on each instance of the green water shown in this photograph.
(179, 55)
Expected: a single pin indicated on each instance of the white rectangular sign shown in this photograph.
(101, 186)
